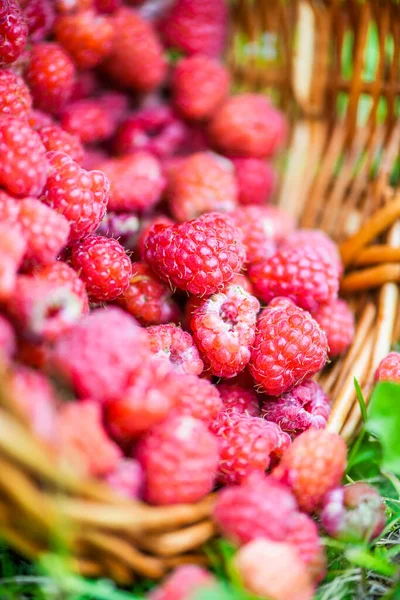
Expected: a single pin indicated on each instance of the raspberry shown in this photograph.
(238, 399)
(127, 478)
(199, 256)
(170, 343)
(203, 183)
(104, 267)
(86, 85)
(61, 274)
(247, 125)
(13, 32)
(183, 583)
(80, 195)
(135, 45)
(305, 406)
(224, 329)
(318, 240)
(38, 119)
(124, 227)
(337, 320)
(50, 75)
(136, 181)
(89, 120)
(45, 231)
(147, 298)
(23, 165)
(179, 457)
(40, 16)
(116, 104)
(246, 445)
(273, 570)
(107, 6)
(194, 396)
(84, 444)
(15, 97)
(256, 180)
(302, 274)
(199, 86)
(145, 227)
(12, 250)
(86, 36)
(8, 343)
(303, 534)
(389, 368)
(289, 347)
(313, 465)
(9, 208)
(67, 6)
(56, 139)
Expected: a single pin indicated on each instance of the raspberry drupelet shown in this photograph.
(256, 180)
(40, 16)
(337, 320)
(15, 97)
(13, 32)
(56, 139)
(194, 396)
(88, 119)
(169, 342)
(239, 399)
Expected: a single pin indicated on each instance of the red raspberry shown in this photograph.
(40, 15)
(246, 445)
(135, 45)
(80, 195)
(93, 157)
(136, 181)
(199, 86)
(67, 6)
(303, 534)
(305, 406)
(389, 368)
(23, 165)
(199, 256)
(104, 267)
(9, 208)
(302, 274)
(84, 443)
(86, 84)
(123, 227)
(86, 36)
(89, 120)
(107, 6)
(127, 478)
(8, 343)
(56, 139)
(337, 320)
(318, 240)
(50, 75)
(203, 183)
(116, 104)
(289, 347)
(61, 274)
(194, 396)
(13, 32)
(196, 26)
(183, 583)
(256, 180)
(179, 457)
(12, 250)
(238, 399)
(224, 329)
(146, 226)
(15, 97)
(147, 298)
(169, 342)
(101, 353)
(312, 466)
(38, 119)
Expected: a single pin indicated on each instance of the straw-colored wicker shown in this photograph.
(293, 50)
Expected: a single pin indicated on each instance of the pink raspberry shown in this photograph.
(303, 534)
(256, 180)
(194, 396)
(337, 320)
(80, 195)
(247, 125)
(104, 267)
(123, 227)
(15, 97)
(305, 406)
(203, 183)
(389, 368)
(127, 478)
(238, 399)
(146, 226)
(198, 256)
(13, 32)
(9, 208)
(86, 84)
(56, 139)
(38, 119)
(224, 330)
(169, 342)
(302, 274)
(180, 458)
(12, 251)
(8, 343)
(89, 120)
(101, 353)
(183, 583)
(40, 16)
(318, 240)
(61, 274)
(289, 347)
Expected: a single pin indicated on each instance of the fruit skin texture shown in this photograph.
(40, 16)
(12, 250)
(289, 347)
(13, 32)
(61, 274)
(8, 342)
(88, 119)
(238, 399)
(313, 465)
(256, 180)
(247, 125)
(104, 267)
(127, 478)
(194, 396)
(318, 240)
(337, 320)
(173, 477)
(203, 183)
(15, 97)
(169, 342)
(183, 583)
(56, 139)
(389, 368)
(198, 256)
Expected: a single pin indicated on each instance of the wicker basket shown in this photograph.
(294, 51)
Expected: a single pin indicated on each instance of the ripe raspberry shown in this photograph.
(56, 139)
(136, 181)
(135, 45)
(238, 399)
(67, 6)
(101, 353)
(302, 274)
(199, 256)
(289, 347)
(313, 465)
(199, 85)
(179, 457)
(247, 125)
(13, 32)
(38, 119)
(146, 226)
(80, 195)
(104, 267)
(318, 240)
(123, 227)
(183, 583)
(203, 183)
(246, 445)
(9, 208)
(389, 368)
(40, 16)
(147, 298)
(224, 330)
(256, 180)
(169, 342)
(303, 534)
(12, 250)
(305, 406)
(15, 97)
(23, 165)
(107, 6)
(127, 478)
(8, 343)
(194, 396)
(50, 75)
(86, 84)
(61, 274)
(337, 320)
(116, 104)
(89, 120)
(84, 444)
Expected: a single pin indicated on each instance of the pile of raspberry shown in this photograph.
(145, 273)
